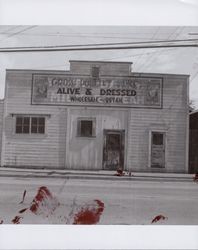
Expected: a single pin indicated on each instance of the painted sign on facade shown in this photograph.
(105, 91)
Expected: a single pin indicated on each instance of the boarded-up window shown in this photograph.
(30, 125)
(86, 127)
(95, 72)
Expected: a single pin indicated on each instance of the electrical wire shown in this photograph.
(84, 36)
(193, 77)
(152, 38)
(152, 58)
(160, 53)
(103, 44)
(99, 48)
(18, 32)
(81, 48)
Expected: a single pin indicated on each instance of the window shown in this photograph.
(22, 125)
(86, 127)
(30, 125)
(38, 125)
(95, 72)
(158, 138)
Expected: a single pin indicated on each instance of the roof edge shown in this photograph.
(194, 112)
(87, 61)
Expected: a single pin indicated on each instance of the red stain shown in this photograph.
(159, 217)
(89, 215)
(24, 193)
(23, 210)
(44, 202)
(130, 173)
(16, 220)
(195, 177)
(42, 194)
(119, 172)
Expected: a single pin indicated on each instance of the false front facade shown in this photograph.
(98, 115)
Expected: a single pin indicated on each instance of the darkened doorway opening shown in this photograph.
(157, 150)
(113, 149)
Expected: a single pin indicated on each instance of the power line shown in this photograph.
(43, 49)
(103, 59)
(152, 58)
(103, 44)
(195, 75)
(82, 35)
(152, 38)
(10, 29)
(18, 32)
(131, 55)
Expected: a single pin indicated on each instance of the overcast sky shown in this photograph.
(164, 60)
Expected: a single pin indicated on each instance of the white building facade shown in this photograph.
(98, 115)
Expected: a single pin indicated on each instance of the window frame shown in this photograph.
(93, 68)
(38, 125)
(23, 125)
(162, 131)
(79, 120)
(30, 133)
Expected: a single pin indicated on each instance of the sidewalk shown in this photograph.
(95, 175)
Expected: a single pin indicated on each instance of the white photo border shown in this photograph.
(98, 12)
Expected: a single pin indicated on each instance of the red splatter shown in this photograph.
(24, 193)
(119, 172)
(23, 210)
(44, 202)
(16, 220)
(130, 173)
(89, 215)
(195, 177)
(1, 222)
(159, 217)
(42, 193)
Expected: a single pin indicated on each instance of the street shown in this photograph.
(125, 202)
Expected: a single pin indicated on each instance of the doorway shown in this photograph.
(157, 149)
(113, 149)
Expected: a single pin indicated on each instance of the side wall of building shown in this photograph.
(193, 143)
(1, 125)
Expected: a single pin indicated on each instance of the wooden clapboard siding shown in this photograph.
(106, 68)
(32, 150)
(60, 147)
(172, 119)
(193, 143)
(87, 153)
(1, 124)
